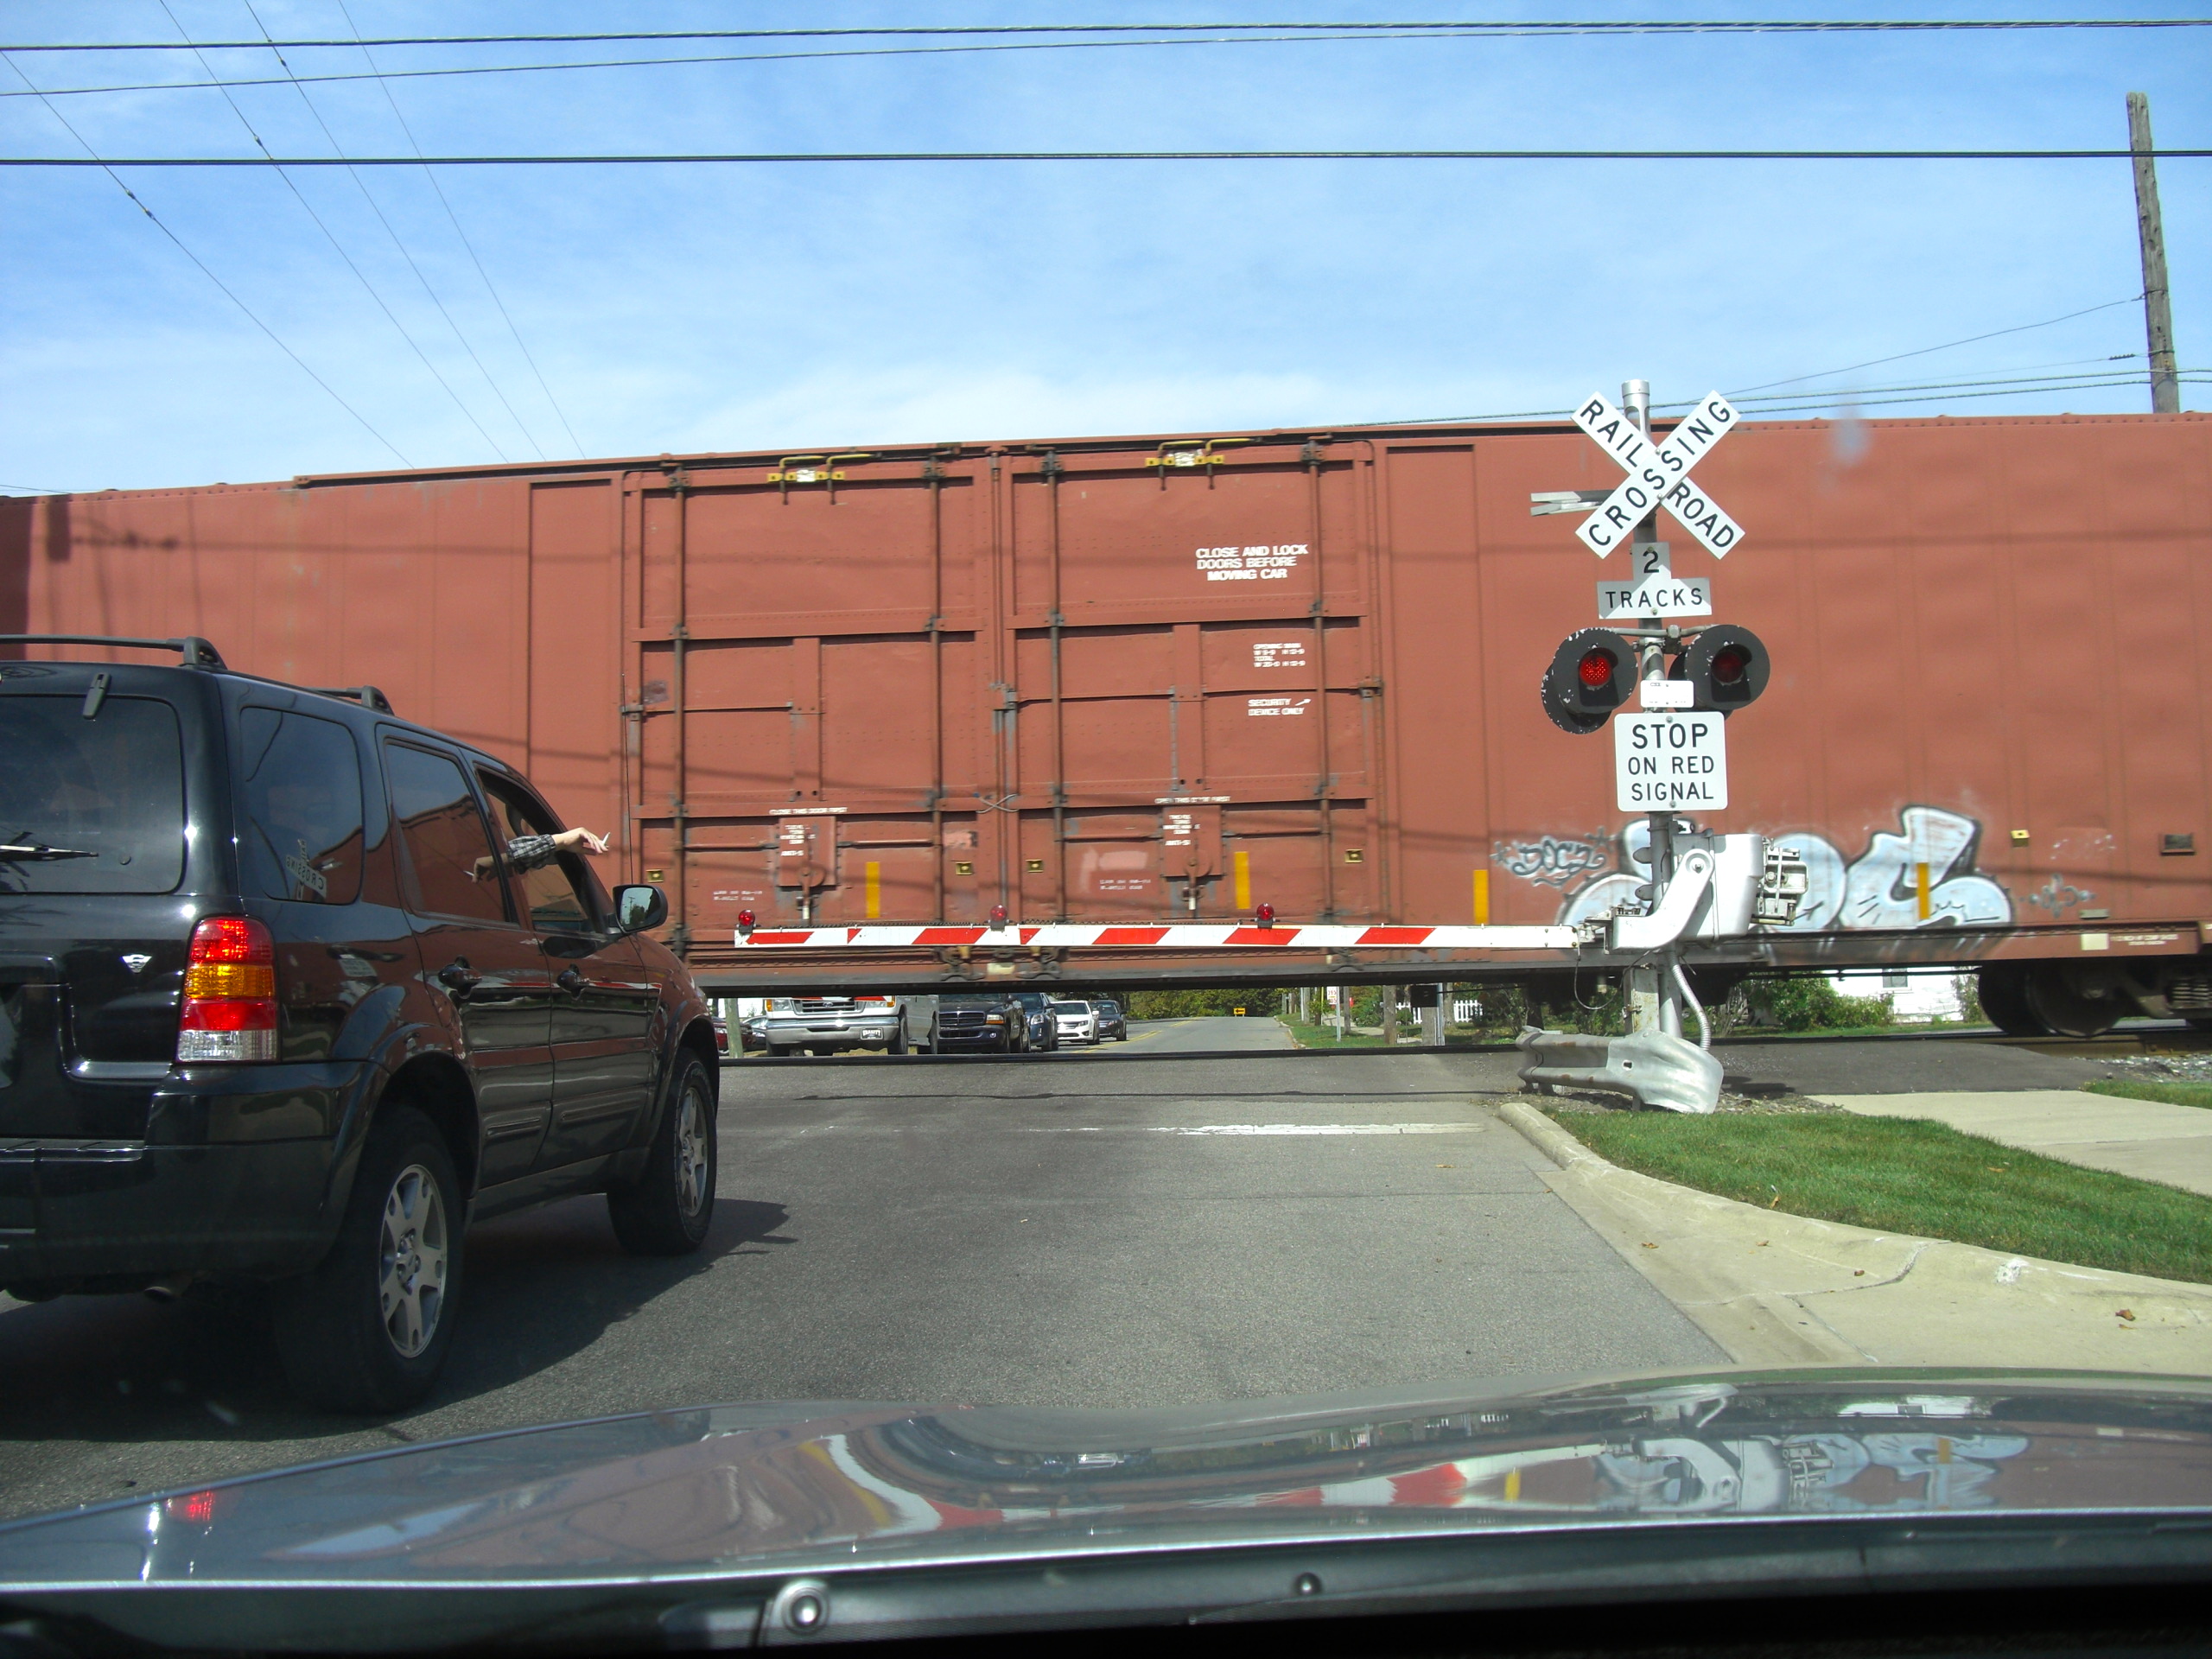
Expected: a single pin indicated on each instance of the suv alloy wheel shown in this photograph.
(367, 1329)
(668, 1209)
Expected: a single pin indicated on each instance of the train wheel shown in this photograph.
(2069, 1007)
(2003, 987)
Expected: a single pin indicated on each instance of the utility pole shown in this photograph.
(2158, 307)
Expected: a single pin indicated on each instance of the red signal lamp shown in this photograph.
(998, 918)
(1591, 676)
(745, 922)
(1727, 667)
(1264, 916)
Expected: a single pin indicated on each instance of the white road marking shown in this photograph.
(1317, 1128)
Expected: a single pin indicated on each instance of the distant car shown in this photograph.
(1076, 1022)
(985, 1022)
(835, 1025)
(1043, 1029)
(721, 1036)
(1110, 1021)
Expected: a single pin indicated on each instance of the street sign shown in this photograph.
(1658, 475)
(1664, 763)
(1653, 588)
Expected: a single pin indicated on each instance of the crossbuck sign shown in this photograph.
(1658, 475)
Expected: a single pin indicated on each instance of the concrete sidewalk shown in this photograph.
(2146, 1139)
(1776, 1290)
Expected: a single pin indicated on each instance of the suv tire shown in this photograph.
(368, 1329)
(668, 1209)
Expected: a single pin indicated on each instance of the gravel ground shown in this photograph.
(2179, 1067)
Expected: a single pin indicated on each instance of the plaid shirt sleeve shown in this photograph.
(528, 852)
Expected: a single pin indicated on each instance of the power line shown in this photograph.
(1971, 339)
(1859, 396)
(2040, 382)
(404, 252)
(2194, 377)
(763, 57)
(1478, 27)
(782, 157)
(489, 287)
(224, 288)
(331, 237)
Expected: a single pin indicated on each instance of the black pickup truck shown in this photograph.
(278, 1010)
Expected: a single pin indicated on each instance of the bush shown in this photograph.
(1256, 1001)
(1813, 1004)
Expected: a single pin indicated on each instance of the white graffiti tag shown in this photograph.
(1880, 889)
(1553, 860)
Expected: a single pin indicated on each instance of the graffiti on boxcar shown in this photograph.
(1554, 860)
(2058, 896)
(1880, 889)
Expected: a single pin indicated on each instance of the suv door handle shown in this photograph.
(457, 976)
(569, 981)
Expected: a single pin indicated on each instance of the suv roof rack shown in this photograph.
(367, 695)
(198, 653)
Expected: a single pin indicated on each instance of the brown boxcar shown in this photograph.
(1141, 679)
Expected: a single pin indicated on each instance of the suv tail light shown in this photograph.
(230, 993)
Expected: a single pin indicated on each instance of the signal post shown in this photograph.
(1668, 758)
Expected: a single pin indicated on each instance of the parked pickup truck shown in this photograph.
(836, 1025)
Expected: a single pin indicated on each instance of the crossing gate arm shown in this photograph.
(1185, 937)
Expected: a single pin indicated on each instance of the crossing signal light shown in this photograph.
(1592, 674)
(1726, 665)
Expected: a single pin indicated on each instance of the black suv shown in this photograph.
(278, 1010)
(980, 1022)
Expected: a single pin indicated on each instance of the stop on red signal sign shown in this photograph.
(1670, 762)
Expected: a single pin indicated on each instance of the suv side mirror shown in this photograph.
(640, 909)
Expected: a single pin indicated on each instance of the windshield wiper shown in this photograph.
(37, 853)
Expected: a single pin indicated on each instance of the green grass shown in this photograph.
(1908, 1175)
(2173, 1093)
(1326, 1037)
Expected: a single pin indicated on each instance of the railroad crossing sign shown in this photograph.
(1658, 475)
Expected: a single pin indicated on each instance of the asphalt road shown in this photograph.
(1150, 1222)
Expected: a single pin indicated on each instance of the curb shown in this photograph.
(1776, 1289)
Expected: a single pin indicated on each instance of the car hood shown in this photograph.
(830, 1485)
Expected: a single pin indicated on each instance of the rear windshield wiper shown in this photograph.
(37, 853)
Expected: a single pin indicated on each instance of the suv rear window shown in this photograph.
(303, 807)
(112, 786)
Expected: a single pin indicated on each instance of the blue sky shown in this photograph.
(800, 308)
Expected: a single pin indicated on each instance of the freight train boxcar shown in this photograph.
(1142, 680)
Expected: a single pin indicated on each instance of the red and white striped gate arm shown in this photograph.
(1186, 937)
